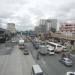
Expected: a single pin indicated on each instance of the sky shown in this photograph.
(26, 13)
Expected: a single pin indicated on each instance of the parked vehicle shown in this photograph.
(57, 47)
(42, 44)
(36, 70)
(51, 50)
(70, 73)
(66, 61)
(65, 49)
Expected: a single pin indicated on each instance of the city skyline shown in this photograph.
(25, 14)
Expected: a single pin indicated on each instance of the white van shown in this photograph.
(21, 41)
(50, 50)
(21, 44)
(57, 47)
(36, 70)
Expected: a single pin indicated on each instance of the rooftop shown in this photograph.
(37, 68)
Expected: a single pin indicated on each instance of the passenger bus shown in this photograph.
(57, 47)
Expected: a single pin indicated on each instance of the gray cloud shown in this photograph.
(66, 11)
(25, 13)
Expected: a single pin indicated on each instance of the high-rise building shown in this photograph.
(51, 23)
(37, 29)
(47, 24)
(11, 27)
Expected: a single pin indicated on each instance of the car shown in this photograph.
(65, 49)
(21, 44)
(42, 44)
(66, 61)
(26, 52)
(14, 41)
(43, 51)
(36, 45)
(70, 73)
(50, 50)
(36, 70)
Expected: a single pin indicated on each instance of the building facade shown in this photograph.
(11, 27)
(51, 23)
(67, 29)
(47, 24)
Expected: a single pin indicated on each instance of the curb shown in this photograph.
(73, 55)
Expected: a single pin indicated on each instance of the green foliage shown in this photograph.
(53, 30)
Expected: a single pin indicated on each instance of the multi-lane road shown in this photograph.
(50, 64)
(6, 48)
(14, 62)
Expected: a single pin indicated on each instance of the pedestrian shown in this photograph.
(68, 54)
(63, 55)
(38, 55)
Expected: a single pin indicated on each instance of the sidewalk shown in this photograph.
(17, 64)
(73, 55)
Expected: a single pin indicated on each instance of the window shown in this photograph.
(41, 73)
(51, 44)
(52, 50)
(59, 46)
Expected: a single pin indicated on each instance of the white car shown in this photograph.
(13, 40)
(21, 44)
(36, 70)
(21, 41)
(70, 73)
(50, 50)
(41, 46)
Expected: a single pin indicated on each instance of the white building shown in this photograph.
(51, 23)
(47, 24)
(11, 27)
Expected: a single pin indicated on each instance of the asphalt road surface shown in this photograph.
(14, 62)
(6, 48)
(50, 64)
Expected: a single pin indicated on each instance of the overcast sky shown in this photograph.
(26, 13)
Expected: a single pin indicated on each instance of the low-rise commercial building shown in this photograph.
(67, 29)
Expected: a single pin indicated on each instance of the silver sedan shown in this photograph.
(66, 61)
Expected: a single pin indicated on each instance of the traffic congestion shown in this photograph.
(37, 37)
(44, 52)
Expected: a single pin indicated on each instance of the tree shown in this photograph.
(53, 30)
